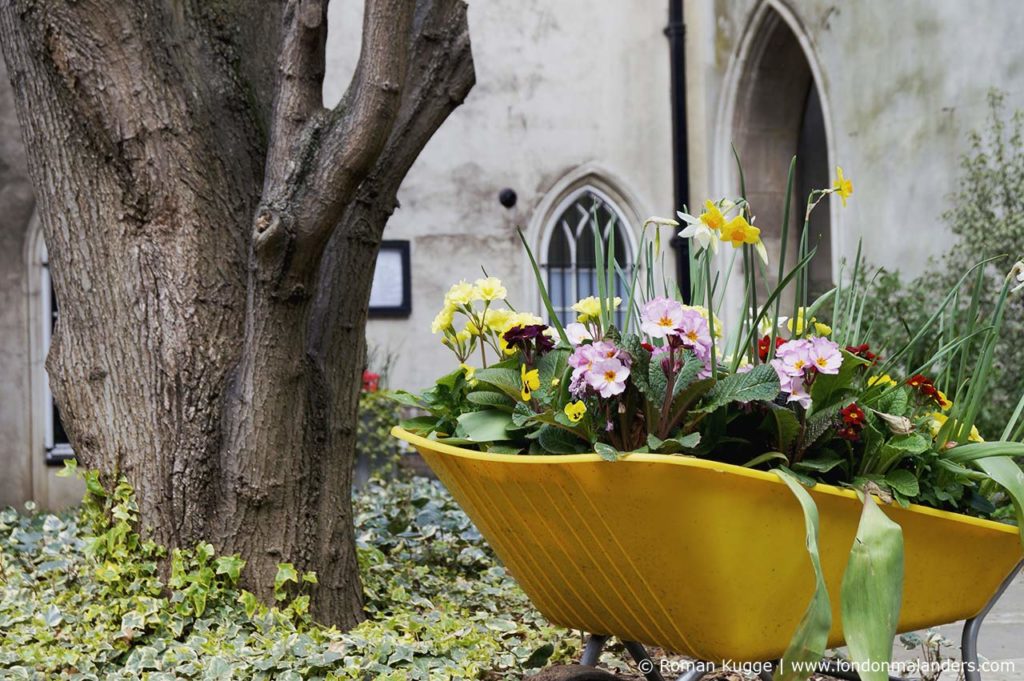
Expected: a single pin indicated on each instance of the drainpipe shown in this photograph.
(676, 33)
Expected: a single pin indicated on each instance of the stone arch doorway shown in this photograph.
(778, 113)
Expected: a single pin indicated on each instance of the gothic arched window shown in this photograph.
(569, 253)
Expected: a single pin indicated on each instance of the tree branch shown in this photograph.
(440, 76)
(300, 77)
(334, 153)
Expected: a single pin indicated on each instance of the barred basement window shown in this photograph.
(570, 256)
(55, 439)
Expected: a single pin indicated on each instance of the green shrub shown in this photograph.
(82, 598)
(987, 217)
(377, 452)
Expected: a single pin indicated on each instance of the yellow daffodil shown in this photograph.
(459, 294)
(738, 232)
(842, 186)
(884, 380)
(712, 216)
(575, 411)
(530, 380)
(443, 320)
(590, 307)
(489, 289)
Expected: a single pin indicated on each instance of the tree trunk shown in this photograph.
(212, 232)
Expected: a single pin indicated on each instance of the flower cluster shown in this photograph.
(485, 324)
(600, 367)
(853, 422)
(678, 326)
(798, 361)
(712, 226)
(926, 388)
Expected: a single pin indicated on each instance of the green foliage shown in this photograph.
(82, 597)
(987, 217)
(378, 413)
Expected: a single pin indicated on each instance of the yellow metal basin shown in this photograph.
(699, 557)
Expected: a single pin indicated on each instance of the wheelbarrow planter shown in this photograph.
(699, 557)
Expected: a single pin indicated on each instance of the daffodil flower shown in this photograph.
(703, 228)
(575, 411)
(842, 186)
(530, 382)
(738, 232)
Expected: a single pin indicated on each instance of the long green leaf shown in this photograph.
(552, 317)
(808, 643)
(872, 592)
(1008, 475)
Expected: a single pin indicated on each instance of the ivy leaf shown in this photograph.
(230, 566)
(759, 384)
(539, 656)
(606, 451)
(286, 572)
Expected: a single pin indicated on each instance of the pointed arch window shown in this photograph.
(569, 254)
(55, 439)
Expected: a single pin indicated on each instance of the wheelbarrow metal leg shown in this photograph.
(969, 642)
(592, 651)
(643, 661)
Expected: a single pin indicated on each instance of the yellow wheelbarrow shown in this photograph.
(703, 558)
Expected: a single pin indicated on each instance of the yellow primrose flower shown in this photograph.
(463, 336)
(884, 380)
(575, 410)
(468, 371)
(530, 380)
(499, 320)
(842, 186)
(821, 329)
(555, 382)
(489, 289)
(459, 294)
(712, 216)
(590, 307)
(937, 420)
(443, 320)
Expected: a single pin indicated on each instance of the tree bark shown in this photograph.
(212, 253)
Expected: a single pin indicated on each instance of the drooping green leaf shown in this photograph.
(1008, 475)
(822, 464)
(766, 457)
(760, 383)
(673, 445)
(811, 636)
(488, 425)
(872, 592)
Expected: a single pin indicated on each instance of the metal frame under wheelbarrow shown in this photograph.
(702, 558)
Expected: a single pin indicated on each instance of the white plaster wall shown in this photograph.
(904, 82)
(559, 84)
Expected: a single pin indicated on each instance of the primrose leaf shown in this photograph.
(759, 384)
(903, 482)
(502, 379)
(484, 426)
(872, 591)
